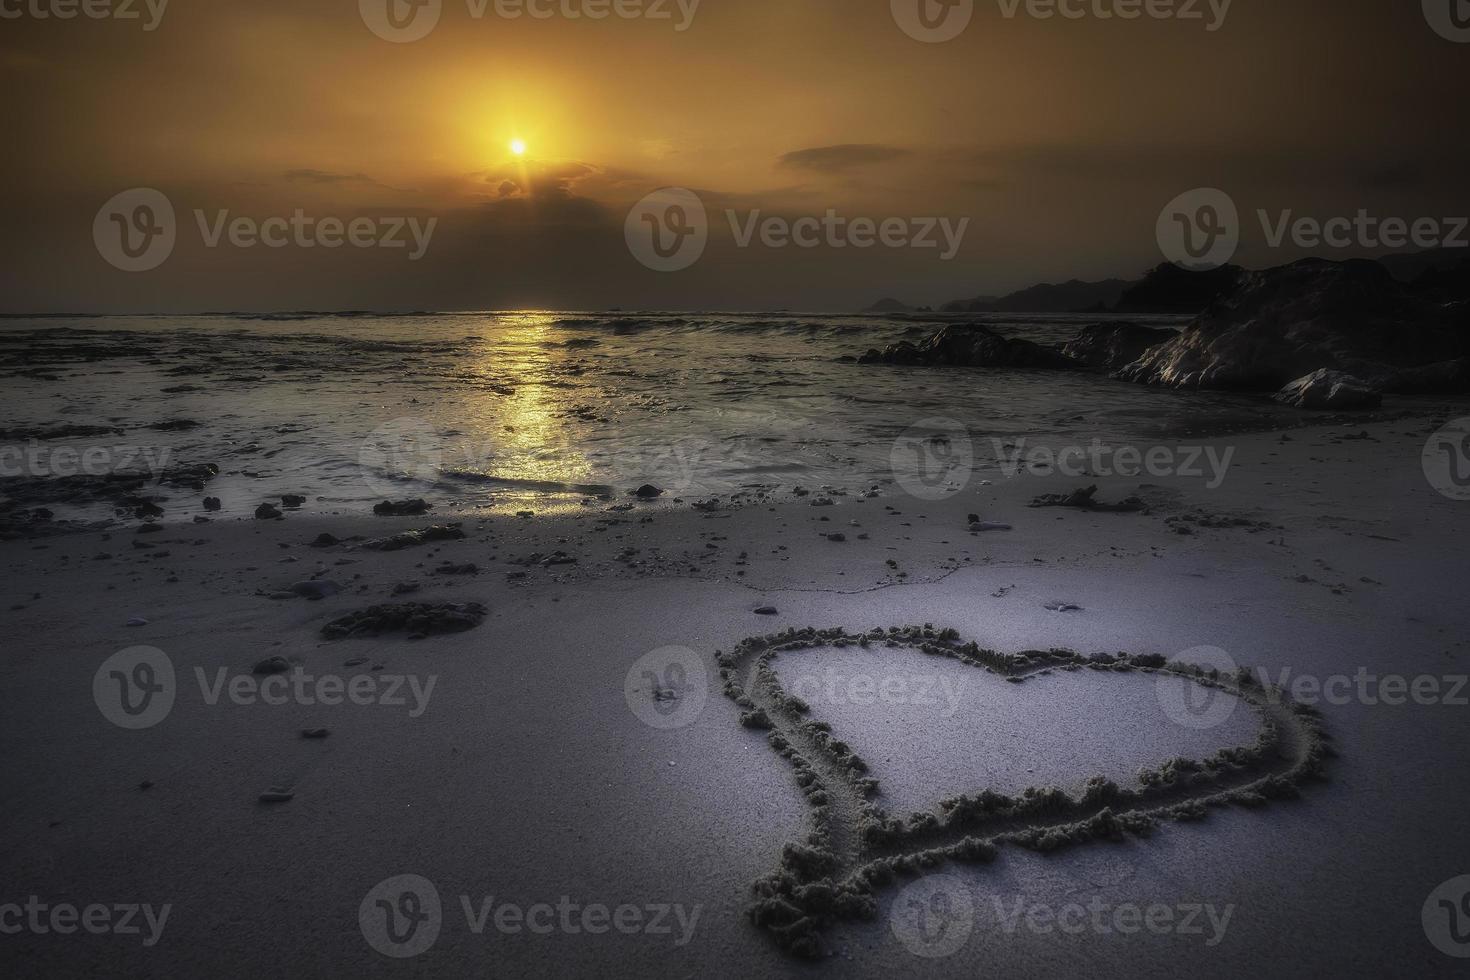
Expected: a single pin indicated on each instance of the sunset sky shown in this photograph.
(1059, 140)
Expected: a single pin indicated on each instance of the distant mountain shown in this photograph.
(1166, 289)
(1074, 296)
(1409, 266)
(889, 305)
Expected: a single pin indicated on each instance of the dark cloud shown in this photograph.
(837, 159)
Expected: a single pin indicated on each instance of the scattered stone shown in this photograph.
(277, 796)
(978, 527)
(417, 618)
(316, 589)
(272, 665)
(212, 503)
(137, 621)
(1085, 499)
(401, 508)
(325, 540)
(406, 588)
(648, 492)
(1063, 607)
(315, 733)
(292, 500)
(267, 512)
(412, 539)
(767, 611)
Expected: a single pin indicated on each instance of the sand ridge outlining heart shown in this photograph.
(856, 847)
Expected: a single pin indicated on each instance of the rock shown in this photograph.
(136, 621)
(1285, 323)
(176, 425)
(1063, 607)
(277, 796)
(315, 733)
(1086, 499)
(1327, 389)
(406, 588)
(412, 539)
(272, 665)
(837, 536)
(1110, 346)
(766, 611)
(316, 589)
(416, 618)
(648, 492)
(971, 345)
(325, 540)
(469, 568)
(979, 526)
(292, 500)
(212, 503)
(401, 508)
(267, 512)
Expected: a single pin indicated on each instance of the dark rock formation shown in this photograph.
(1330, 390)
(1284, 323)
(1110, 346)
(1169, 289)
(971, 345)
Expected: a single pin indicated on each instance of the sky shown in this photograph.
(1047, 146)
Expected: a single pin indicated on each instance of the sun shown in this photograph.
(518, 147)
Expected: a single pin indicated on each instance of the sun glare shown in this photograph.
(518, 147)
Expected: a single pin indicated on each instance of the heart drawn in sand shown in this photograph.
(855, 846)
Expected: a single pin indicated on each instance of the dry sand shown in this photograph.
(527, 776)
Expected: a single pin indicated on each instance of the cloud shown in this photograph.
(843, 157)
(310, 176)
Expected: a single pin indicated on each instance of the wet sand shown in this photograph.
(531, 773)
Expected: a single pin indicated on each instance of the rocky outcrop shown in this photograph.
(1169, 289)
(971, 345)
(1281, 324)
(1110, 346)
(1330, 390)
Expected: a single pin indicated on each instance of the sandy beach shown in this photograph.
(574, 805)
